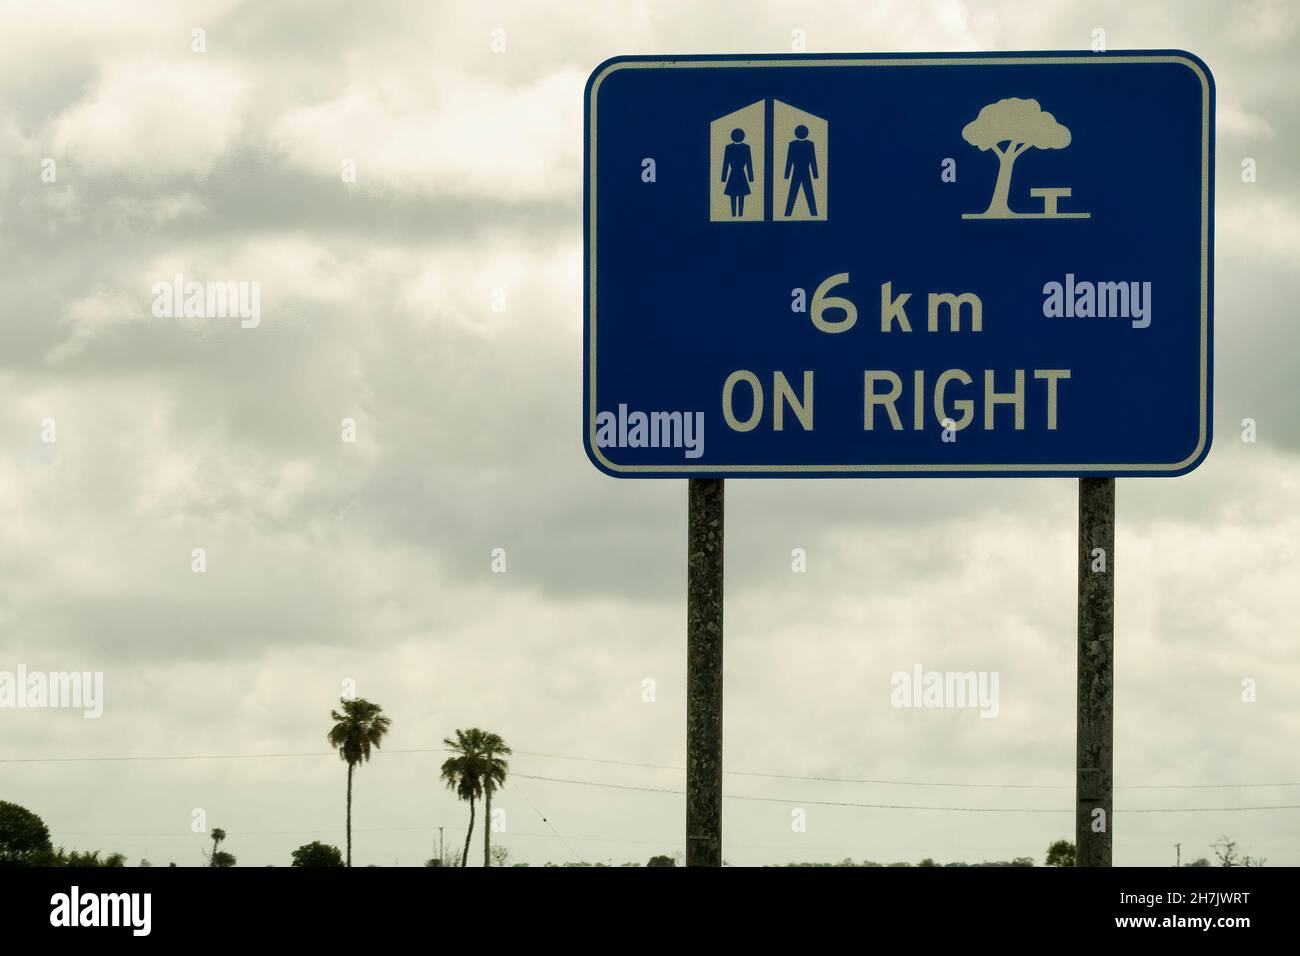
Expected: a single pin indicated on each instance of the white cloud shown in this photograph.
(174, 117)
(1258, 222)
(1232, 119)
(1263, 24)
(447, 136)
(95, 315)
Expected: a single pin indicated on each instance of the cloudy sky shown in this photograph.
(329, 562)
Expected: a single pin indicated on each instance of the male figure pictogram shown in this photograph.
(801, 164)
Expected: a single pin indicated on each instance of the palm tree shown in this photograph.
(477, 768)
(362, 725)
(218, 835)
(493, 775)
(464, 773)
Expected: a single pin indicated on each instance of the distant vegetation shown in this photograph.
(317, 854)
(25, 841)
(219, 858)
(1060, 853)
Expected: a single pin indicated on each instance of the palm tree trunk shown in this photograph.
(349, 814)
(487, 828)
(464, 857)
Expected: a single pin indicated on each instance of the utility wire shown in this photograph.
(899, 806)
(655, 766)
(556, 832)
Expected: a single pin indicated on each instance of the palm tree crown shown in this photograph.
(462, 772)
(362, 725)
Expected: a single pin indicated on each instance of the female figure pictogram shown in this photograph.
(737, 171)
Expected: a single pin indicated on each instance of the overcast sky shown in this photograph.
(371, 561)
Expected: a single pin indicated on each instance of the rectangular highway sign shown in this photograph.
(899, 265)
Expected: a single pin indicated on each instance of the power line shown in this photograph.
(554, 831)
(909, 783)
(648, 766)
(133, 757)
(243, 833)
(900, 806)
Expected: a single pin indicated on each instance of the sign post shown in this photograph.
(899, 265)
(1095, 705)
(704, 672)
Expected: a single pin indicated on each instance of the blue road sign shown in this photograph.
(899, 265)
